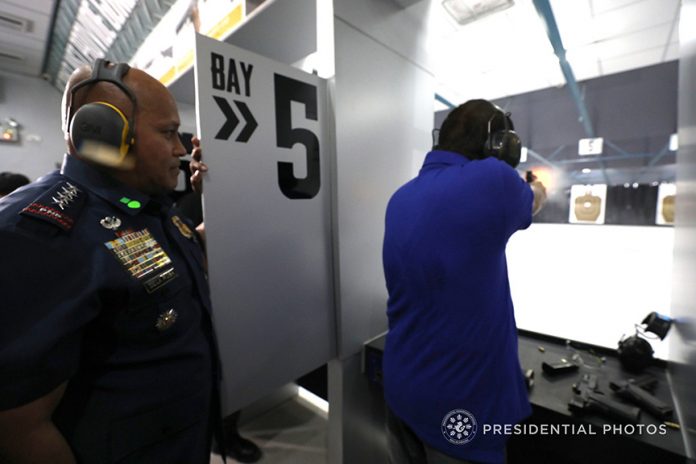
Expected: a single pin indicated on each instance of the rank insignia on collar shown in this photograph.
(60, 205)
(166, 319)
(110, 222)
(183, 228)
(65, 195)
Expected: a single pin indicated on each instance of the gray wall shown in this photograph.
(634, 109)
(383, 109)
(683, 336)
(35, 104)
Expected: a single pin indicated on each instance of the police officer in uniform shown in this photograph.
(107, 350)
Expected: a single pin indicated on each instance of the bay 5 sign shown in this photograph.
(267, 216)
(243, 87)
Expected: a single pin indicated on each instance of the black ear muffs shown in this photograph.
(635, 353)
(99, 130)
(504, 144)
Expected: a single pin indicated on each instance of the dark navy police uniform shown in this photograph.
(104, 287)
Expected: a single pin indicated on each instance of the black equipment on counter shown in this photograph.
(562, 367)
(635, 352)
(637, 392)
(588, 398)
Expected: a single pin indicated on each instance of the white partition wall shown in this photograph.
(383, 104)
(683, 337)
(267, 212)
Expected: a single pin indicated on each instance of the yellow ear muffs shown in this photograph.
(100, 132)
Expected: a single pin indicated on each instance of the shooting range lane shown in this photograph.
(551, 394)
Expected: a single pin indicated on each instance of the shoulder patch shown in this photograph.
(60, 205)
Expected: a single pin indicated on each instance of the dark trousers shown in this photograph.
(406, 448)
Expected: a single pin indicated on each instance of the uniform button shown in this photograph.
(166, 319)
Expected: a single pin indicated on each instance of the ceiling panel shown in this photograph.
(574, 19)
(40, 6)
(24, 34)
(633, 18)
(585, 65)
(603, 6)
(26, 61)
(632, 61)
(600, 37)
(38, 22)
(626, 44)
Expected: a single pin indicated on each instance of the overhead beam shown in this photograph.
(539, 157)
(543, 7)
(444, 101)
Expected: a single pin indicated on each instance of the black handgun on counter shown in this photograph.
(588, 398)
(637, 392)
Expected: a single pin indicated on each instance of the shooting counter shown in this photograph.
(554, 434)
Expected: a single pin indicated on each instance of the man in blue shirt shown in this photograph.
(450, 362)
(107, 351)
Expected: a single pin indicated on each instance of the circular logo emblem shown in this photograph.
(459, 426)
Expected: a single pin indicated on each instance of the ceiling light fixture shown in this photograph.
(467, 11)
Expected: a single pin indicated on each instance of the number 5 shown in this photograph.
(288, 90)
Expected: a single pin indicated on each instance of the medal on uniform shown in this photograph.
(166, 319)
(183, 228)
(110, 222)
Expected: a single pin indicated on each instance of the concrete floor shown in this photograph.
(294, 432)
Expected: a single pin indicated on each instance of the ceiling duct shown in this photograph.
(467, 11)
(88, 29)
(14, 23)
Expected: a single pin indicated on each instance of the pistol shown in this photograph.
(588, 398)
(637, 392)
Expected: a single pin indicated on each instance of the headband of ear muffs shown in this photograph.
(503, 144)
(101, 127)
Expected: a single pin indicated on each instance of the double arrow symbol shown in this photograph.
(232, 120)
